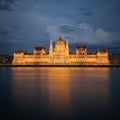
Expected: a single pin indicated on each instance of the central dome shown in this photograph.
(60, 41)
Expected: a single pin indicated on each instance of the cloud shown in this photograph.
(7, 34)
(86, 12)
(84, 32)
(5, 5)
(65, 28)
(84, 26)
(4, 33)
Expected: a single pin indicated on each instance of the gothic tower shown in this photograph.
(67, 47)
(51, 47)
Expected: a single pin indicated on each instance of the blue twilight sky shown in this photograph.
(26, 23)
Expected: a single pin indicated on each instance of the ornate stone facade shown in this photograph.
(61, 55)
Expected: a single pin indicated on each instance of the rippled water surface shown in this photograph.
(59, 93)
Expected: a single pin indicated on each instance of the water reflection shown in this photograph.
(61, 92)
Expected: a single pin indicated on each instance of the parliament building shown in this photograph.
(60, 55)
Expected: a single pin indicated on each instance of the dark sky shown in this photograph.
(26, 23)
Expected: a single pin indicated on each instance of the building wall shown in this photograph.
(61, 55)
(59, 59)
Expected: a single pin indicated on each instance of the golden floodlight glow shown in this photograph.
(61, 55)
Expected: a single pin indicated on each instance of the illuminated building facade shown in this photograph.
(60, 54)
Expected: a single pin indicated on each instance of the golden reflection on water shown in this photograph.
(58, 88)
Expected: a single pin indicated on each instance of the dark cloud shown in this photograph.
(117, 6)
(3, 33)
(83, 9)
(15, 27)
(117, 9)
(7, 1)
(5, 5)
(76, 19)
(7, 33)
(67, 28)
(86, 11)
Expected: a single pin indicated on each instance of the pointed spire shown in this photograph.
(67, 46)
(66, 43)
(50, 41)
(98, 49)
(51, 47)
(60, 37)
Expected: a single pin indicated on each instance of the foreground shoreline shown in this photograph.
(10, 65)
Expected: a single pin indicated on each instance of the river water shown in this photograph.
(46, 93)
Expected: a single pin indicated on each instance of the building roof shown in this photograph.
(26, 53)
(39, 48)
(60, 41)
(83, 47)
(102, 51)
(18, 51)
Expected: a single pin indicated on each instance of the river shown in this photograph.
(58, 93)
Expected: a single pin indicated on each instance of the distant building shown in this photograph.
(115, 59)
(6, 59)
(60, 54)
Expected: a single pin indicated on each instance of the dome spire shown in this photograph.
(60, 37)
(60, 41)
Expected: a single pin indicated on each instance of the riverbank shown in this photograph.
(10, 65)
